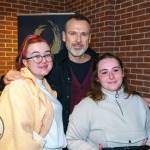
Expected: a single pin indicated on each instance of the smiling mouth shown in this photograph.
(114, 82)
(43, 67)
(77, 47)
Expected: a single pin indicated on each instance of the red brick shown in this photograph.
(121, 27)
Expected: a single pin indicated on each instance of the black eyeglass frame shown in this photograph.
(41, 57)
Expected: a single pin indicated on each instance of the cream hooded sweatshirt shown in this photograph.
(26, 113)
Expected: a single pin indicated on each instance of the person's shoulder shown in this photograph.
(91, 49)
(61, 56)
(85, 107)
(87, 102)
(14, 88)
(138, 99)
(18, 85)
(92, 53)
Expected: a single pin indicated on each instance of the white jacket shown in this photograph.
(113, 122)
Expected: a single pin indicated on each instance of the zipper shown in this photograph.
(116, 96)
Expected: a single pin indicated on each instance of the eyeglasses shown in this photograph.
(38, 58)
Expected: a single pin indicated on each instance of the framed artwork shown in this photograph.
(49, 26)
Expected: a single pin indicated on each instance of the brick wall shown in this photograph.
(121, 27)
(9, 9)
(132, 41)
(118, 26)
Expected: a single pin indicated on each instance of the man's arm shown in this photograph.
(8, 78)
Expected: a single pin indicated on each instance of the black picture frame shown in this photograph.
(48, 25)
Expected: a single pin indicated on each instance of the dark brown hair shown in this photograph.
(95, 91)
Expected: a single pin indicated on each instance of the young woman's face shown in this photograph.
(110, 74)
(39, 70)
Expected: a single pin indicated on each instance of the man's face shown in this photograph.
(77, 37)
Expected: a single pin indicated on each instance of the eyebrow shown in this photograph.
(112, 68)
(39, 52)
(77, 32)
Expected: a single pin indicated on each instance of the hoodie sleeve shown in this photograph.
(147, 125)
(17, 113)
(79, 128)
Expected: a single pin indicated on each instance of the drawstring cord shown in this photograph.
(116, 96)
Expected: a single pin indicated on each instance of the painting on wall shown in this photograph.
(48, 26)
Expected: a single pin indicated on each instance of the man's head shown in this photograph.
(77, 35)
(77, 17)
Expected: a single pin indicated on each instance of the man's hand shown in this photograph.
(147, 100)
(100, 147)
(11, 76)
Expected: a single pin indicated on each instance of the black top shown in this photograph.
(80, 69)
(60, 79)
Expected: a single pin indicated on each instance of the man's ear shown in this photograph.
(90, 38)
(64, 36)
